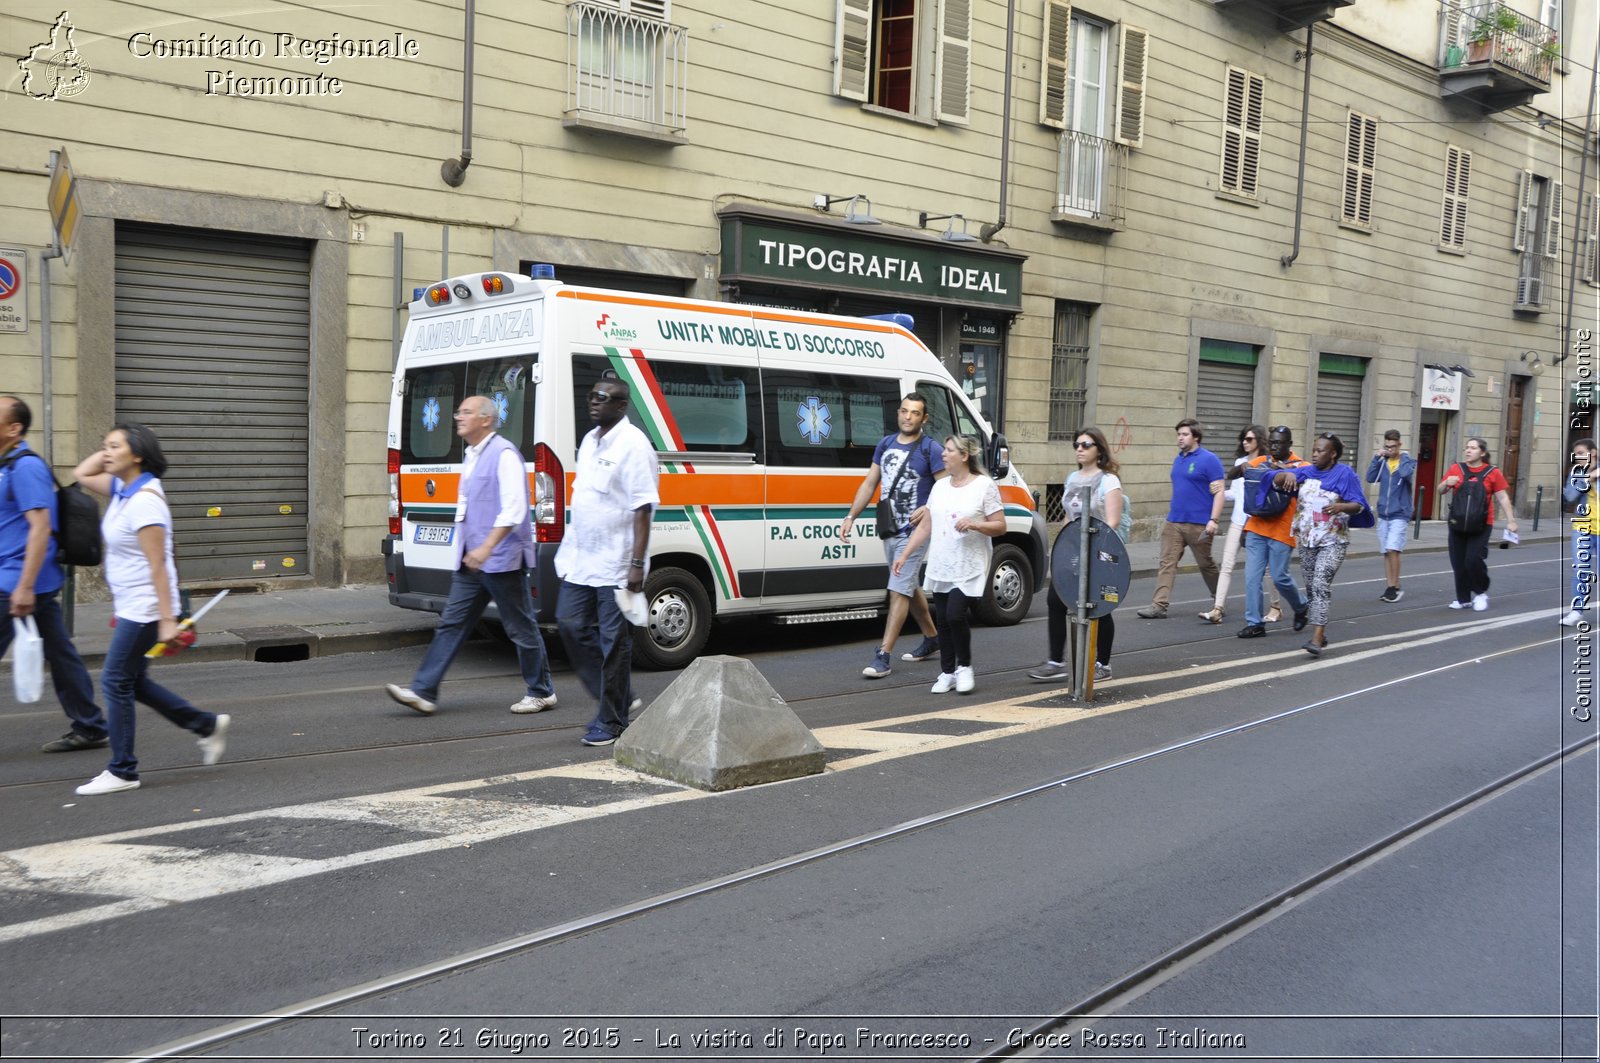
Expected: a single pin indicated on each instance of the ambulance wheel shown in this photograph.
(1010, 591)
(679, 620)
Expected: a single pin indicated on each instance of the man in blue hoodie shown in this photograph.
(1395, 473)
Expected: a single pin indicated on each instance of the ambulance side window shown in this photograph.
(427, 427)
(946, 415)
(712, 407)
(832, 420)
(505, 380)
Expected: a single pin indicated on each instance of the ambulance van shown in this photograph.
(764, 422)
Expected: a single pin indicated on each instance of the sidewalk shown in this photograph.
(305, 622)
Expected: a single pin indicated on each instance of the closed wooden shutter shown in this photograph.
(1241, 132)
(851, 49)
(1133, 58)
(1053, 63)
(955, 60)
(1457, 187)
(1360, 168)
(213, 341)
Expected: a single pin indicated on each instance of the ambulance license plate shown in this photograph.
(435, 533)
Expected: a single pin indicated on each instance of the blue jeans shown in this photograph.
(599, 643)
(123, 680)
(67, 673)
(470, 594)
(1585, 566)
(1262, 553)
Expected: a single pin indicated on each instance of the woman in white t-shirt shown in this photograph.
(963, 514)
(137, 527)
(1097, 470)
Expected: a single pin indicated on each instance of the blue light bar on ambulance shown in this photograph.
(905, 321)
(542, 271)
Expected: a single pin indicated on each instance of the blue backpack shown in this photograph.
(1261, 499)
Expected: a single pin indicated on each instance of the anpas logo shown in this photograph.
(612, 329)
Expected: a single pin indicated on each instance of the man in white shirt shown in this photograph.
(606, 546)
(494, 538)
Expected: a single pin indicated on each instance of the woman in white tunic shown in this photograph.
(963, 514)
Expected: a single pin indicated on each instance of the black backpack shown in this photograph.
(1469, 504)
(77, 532)
(1261, 499)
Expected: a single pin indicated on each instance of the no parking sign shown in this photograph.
(13, 289)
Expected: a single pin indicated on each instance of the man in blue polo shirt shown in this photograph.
(1197, 482)
(30, 578)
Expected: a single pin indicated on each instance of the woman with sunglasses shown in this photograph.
(1097, 470)
(1252, 442)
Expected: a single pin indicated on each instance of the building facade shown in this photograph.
(1120, 214)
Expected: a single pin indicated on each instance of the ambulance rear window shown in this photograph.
(428, 431)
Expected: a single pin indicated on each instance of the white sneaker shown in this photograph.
(410, 699)
(1480, 603)
(944, 684)
(1458, 605)
(106, 783)
(213, 744)
(1102, 672)
(965, 680)
(1572, 619)
(534, 704)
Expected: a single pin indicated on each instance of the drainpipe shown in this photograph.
(987, 232)
(454, 171)
(1300, 180)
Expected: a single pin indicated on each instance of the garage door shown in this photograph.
(1225, 394)
(1339, 382)
(212, 351)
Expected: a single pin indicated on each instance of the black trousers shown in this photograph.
(1057, 627)
(1469, 558)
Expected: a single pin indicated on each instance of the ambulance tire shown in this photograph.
(1009, 595)
(679, 623)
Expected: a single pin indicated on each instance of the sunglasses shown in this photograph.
(601, 396)
(1083, 446)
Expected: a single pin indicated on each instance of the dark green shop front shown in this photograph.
(961, 296)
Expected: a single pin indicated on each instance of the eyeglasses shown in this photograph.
(602, 396)
(1082, 445)
(1248, 439)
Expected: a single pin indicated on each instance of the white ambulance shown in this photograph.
(764, 421)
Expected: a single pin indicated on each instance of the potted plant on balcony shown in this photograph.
(1497, 25)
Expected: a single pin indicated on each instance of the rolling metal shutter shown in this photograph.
(213, 346)
(1226, 393)
(1339, 381)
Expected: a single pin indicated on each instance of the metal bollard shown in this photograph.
(1538, 501)
(1416, 525)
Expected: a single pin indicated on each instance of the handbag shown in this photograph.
(27, 659)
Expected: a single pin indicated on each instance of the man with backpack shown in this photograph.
(1269, 533)
(1476, 487)
(906, 463)
(31, 579)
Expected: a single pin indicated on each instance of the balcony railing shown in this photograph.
(1533, 276)
(1494, 33)
(626, 74)
(1090, 179)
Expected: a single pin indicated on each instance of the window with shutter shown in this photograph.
(1241, 131)
(1053, 64)
(1453, 211)
(911, 56)
(1523, 222)
(1360, 169)
(1134, 55)
(1552, 222)
(1590, 258)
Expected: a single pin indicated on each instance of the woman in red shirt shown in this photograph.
(1469, 550)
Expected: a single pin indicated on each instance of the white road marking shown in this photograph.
(145, 876)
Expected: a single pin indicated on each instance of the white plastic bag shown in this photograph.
(633, 606)
(27, 659)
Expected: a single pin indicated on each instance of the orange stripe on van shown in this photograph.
(1018, 496)
(414, 488)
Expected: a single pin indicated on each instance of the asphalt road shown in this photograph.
(1235, 852)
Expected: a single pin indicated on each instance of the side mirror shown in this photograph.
(999, 457)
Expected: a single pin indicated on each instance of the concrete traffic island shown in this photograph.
(719, 726)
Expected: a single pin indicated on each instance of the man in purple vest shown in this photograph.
(495, 537)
